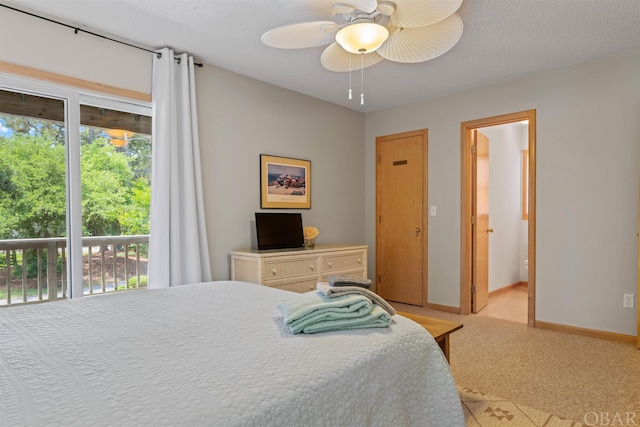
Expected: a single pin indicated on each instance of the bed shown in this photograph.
(215, 354)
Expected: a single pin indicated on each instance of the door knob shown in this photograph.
(489, 230)
(417, 231)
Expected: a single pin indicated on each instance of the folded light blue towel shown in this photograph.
(313, 312)
(377, 318)
(337, 291)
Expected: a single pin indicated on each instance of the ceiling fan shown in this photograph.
(361, 33)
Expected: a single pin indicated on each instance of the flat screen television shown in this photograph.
(279, 230)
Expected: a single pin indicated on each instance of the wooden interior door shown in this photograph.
(481, 230)
(401, 237)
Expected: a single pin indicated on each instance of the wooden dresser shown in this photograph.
(298, 270)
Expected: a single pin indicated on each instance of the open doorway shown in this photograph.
(476, 227)
(507, 237)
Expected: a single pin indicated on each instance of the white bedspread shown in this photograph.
(212, 354)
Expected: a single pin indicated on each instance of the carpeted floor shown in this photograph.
(567, 375)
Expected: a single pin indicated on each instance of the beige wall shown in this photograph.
(39, 44)
(241, 118)
(588, 136)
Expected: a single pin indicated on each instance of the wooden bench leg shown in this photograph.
(443, 342)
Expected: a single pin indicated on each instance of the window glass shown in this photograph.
(115, 163)
(32, 197)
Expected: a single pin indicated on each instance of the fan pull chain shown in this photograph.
(350, 95)
(362, 79)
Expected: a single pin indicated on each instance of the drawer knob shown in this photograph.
(359, 261)
(312, 267)
(274, 271)
(330, 264)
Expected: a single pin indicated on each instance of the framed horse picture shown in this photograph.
(285, 183)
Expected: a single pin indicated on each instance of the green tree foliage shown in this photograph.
(135, 219)
(115, 182)
(50, 130)
(8, 194)
(105, 178)
(139, 156)
(33, 171)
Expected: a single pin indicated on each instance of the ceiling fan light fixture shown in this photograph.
(362, 37)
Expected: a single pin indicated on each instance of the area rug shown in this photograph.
(483, 410)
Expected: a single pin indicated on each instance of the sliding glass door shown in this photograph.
(33, 197)
(75, 182)
(115, 164)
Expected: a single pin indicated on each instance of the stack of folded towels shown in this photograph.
(339, 304)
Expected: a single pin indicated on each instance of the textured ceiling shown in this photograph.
(502, 40)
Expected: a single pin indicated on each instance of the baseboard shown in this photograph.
(445, 308)
(507, 288)
(593, 333)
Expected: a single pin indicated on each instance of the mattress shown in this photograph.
(215, 354)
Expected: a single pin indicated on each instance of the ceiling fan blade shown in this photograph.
(422, 43)
(325, 8)
(335, 58)
(412, 13)
(304, 34)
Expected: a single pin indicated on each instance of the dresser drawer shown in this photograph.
(245, 270)
(342, 262)
(290, 268)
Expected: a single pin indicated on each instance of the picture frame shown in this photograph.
(285, 183)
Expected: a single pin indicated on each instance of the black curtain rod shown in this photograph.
(76, 30)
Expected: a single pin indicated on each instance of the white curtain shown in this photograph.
(178, 249)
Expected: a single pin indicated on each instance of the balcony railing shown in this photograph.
(34, 270)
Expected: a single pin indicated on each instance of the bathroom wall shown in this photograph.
(524, 224)
(505, 215)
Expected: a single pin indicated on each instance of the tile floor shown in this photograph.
(511, 305)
